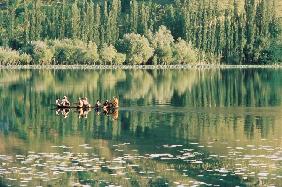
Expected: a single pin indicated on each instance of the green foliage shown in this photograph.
(119, 58)
(91, 54)
(74, 52)
(162, 42)
(235, 32)
(12, 57)
(108, 53)
(184, 53)
(41, 52)
(137, 48)
(274, 52)
(25, 59)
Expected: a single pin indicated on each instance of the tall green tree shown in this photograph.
(249, 29)
(26, 22)
(75, 20)
(96, 25)
(133, 16)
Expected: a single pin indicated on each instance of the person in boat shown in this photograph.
(98, 104)
(106, 111)
(106, 104)
(115, 102)
(80, 103)
(65, 102)
(58, 102)
(86, 104)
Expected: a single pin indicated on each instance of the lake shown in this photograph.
(173, 128)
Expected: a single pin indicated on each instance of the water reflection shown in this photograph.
(200, 126)
(84, 112)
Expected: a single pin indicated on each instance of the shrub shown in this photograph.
(12, 57)
(136, 47)
(184, 52)
(41, 52)
(25, 59)
(74, 51)
(9, 56)
(119, 58)
(92, 55)
(162, 42)
(63, 51)
(108, 53)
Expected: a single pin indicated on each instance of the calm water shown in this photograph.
(188, 127)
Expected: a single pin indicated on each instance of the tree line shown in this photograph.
(234, 34)
(156, 48)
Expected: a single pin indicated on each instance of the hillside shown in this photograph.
(226, 4)
(159, 30)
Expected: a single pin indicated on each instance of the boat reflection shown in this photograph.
(83, 112)
(63, 112)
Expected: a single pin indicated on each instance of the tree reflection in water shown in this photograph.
(83, 112)
(232, 115)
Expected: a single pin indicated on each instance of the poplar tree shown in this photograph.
(37, 19)
(226, 52)
(241, 38)
(90, 21)
(209, 26)
(249, 29)
(113, 28)
(144, 19)
(26, 24)
(273, 25)
(198, 27)
(234, 26)
(104, 24)
(133, 16)
(68, 20)
(75, 20)
(62, 20)
(96, 26)
(83, 21)
(11, 19)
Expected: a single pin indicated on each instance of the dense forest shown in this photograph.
(139, 32)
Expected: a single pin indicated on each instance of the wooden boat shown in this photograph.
(76, 107)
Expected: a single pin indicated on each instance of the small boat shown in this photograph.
(77, 107)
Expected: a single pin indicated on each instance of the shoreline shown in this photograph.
(125, 67)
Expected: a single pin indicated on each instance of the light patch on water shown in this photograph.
(172, 146)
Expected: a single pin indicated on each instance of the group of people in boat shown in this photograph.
(84, 103)
(84, 107)
(63, 102)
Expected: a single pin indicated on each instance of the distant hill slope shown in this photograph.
(226, 3)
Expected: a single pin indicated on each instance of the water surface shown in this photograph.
(173, 127)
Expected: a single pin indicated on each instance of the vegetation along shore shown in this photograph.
(115, 32)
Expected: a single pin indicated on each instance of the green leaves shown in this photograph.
(12, 57)
(184, 52)
(137, 48)
(230, 32)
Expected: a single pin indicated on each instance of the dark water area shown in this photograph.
(173, 128)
